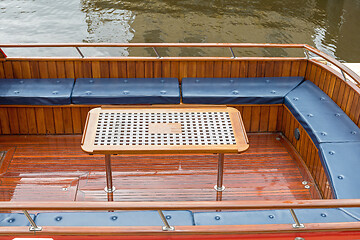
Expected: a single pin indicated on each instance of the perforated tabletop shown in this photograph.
(111, 130)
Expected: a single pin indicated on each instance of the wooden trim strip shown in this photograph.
(183, 230)
(242, 45)
(182, 205)
(155, 59)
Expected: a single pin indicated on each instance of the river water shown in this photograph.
(329, 25)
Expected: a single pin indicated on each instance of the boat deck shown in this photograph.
(54, 168)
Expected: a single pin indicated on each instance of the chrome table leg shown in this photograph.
(109, 185)
(219, 186)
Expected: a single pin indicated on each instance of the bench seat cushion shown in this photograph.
(342, 163)
(14, 220)
(126, 91)
(36, 91)
(320, 116)
(266, 90)
(271, 217)
(126, 218)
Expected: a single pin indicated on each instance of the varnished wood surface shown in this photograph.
(223, 230)
(151, 68)
(308, 152)
(70, 119)
(183, 205)
(54, 168)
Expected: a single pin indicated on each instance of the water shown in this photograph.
(330, 25)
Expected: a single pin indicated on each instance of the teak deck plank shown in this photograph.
(55, 168)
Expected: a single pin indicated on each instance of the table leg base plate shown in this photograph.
(109, 190)
(219, 189)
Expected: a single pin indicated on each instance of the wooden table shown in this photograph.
(169, 129)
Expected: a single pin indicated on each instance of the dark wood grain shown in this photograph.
(43, 165)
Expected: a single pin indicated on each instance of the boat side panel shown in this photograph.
(307, 150)
(70, 119)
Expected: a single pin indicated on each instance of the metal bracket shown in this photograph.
(219, 189)
(342, 72)
(33, 229)
(109, 190)
(298, 226)
(306, 52)
(156, 52)
(232, 53)
(165, 228)
(81, 54)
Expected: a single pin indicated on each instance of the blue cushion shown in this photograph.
(325, 215)
(266, 90)
(342, 163)
(271, 217)
(243, 217)
(126, 91)
(125, 218)
(14, 219)
(36, 91)
(320, 116)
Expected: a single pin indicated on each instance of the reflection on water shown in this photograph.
(330, 25)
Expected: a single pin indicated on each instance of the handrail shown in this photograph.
(150, 45)
(307, 47)
(332, 60)
(182, 205)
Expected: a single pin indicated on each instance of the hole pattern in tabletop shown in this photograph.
(197, 128)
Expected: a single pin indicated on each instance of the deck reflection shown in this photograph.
(53, 168)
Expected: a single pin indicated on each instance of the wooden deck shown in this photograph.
(53, 168)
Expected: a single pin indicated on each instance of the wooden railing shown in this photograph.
(181, 205)
(305, 47)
